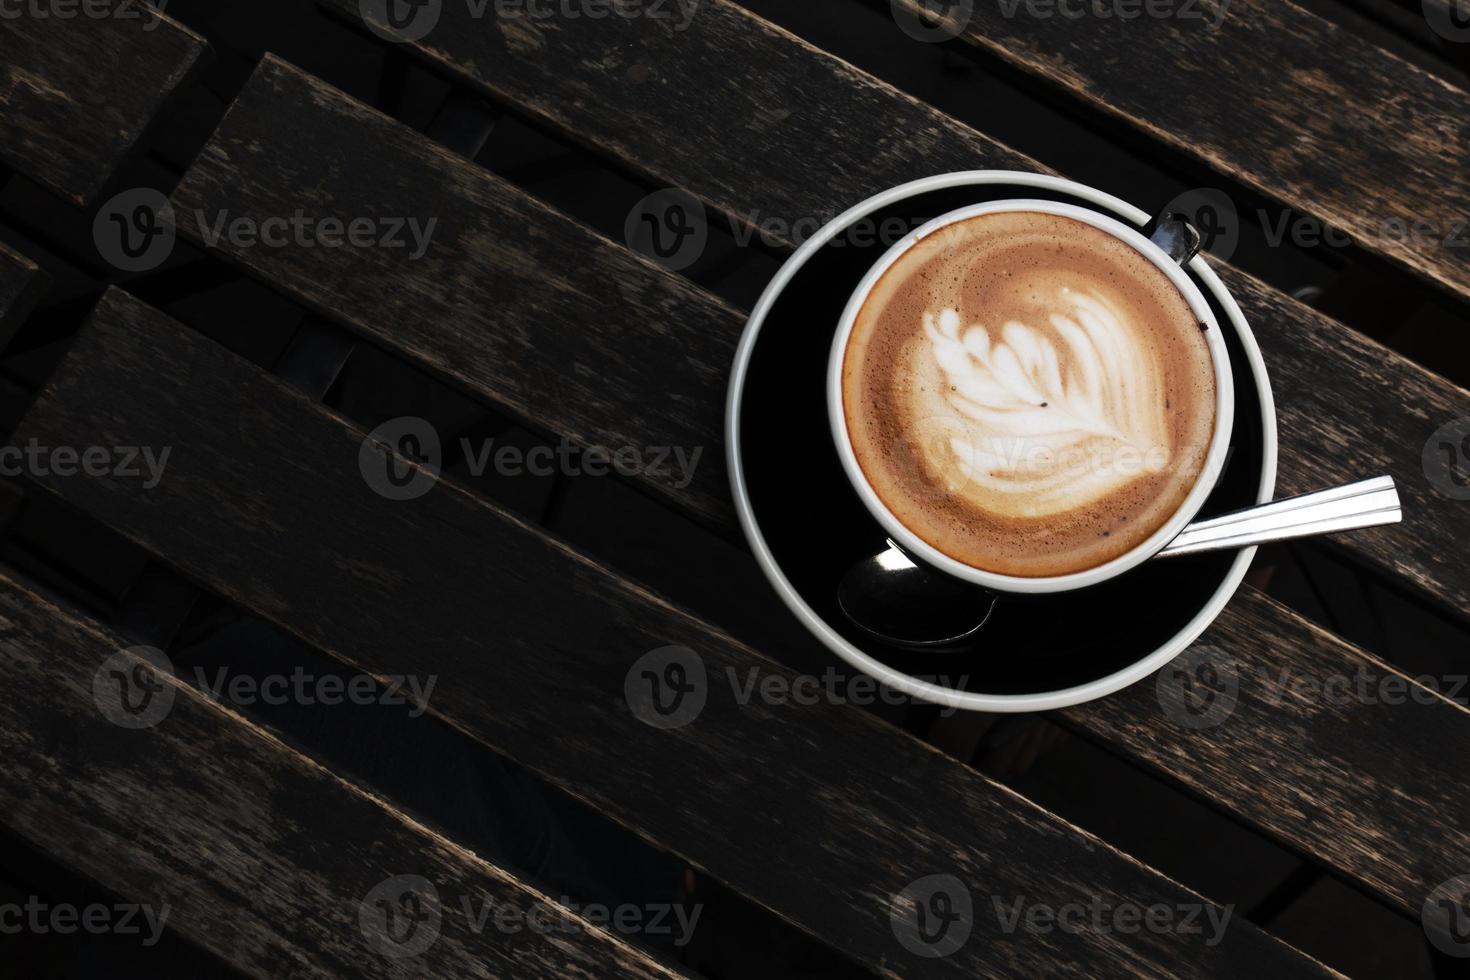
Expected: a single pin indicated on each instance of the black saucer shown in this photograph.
(809, 526)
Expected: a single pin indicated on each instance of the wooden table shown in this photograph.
(310, 842)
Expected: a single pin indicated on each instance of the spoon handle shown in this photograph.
(1366, 503)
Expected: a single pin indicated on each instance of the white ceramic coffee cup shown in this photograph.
(919, 549)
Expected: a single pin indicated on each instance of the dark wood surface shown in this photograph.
(284, 108)
(1280, 99)
(572, 331)
(251, 850)
(820, 814)
(1348, 408)
(1322, 746)
(77, 92)
(636, 319)
(21, 285)
(778, 109)
(763, 788)
(753, 106)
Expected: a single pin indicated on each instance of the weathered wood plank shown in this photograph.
(1307, 113)
(1312, 740)
(750, 106)
(21, 284)
(78, 90)
(1300, 109)
(479, 310)
(1348, 407)
(502, 283)
(246, 847)
(769, 788)
(235, 173)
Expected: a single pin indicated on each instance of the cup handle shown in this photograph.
(1173, 233)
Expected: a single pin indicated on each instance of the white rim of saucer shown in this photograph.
(896, 679)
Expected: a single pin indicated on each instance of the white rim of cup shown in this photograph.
(1133, 557)
(834, 641)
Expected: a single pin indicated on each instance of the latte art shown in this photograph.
(1033, 439)
(1028, 394)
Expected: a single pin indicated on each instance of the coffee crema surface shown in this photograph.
(1028, 394)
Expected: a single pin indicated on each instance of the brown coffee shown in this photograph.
(1028, 394)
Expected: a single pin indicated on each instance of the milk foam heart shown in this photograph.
(1028, 393)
